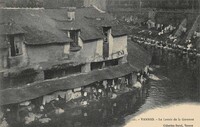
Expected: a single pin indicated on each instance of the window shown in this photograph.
(15, 46)
(50, 74)
(112, 63)
(74, 35)
(105, 32)
(74, 46)
(96, 65)
(105, 43)
(57, 73)
(73, 70)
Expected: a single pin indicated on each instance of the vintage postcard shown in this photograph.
(99, 63)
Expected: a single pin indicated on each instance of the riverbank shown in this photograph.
(177, 86)
(47, 108)
(149, 43)
(172, 88)
(78, 111)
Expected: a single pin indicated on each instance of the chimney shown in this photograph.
(71, 13)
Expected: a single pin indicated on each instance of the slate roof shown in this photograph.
(38, 89)
(138, 56)
(34, 23)
(47, 26)
(11, 29)
(118, 31)
(88, 20)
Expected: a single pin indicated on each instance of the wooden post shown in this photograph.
(86, 68)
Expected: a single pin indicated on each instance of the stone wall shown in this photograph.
(44, 53)
(119, 46)
(3, 58)
(20, 59)
(93, 50)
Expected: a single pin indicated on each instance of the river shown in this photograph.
(175, 83)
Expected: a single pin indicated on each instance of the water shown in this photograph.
(173, 81)
(175, 86)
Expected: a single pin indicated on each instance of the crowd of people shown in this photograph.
(162, 37)
(42, 108)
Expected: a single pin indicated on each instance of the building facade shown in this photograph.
(48, 46)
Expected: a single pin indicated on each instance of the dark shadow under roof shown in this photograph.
(38, 89)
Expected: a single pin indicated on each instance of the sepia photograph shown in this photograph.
(99, 63)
